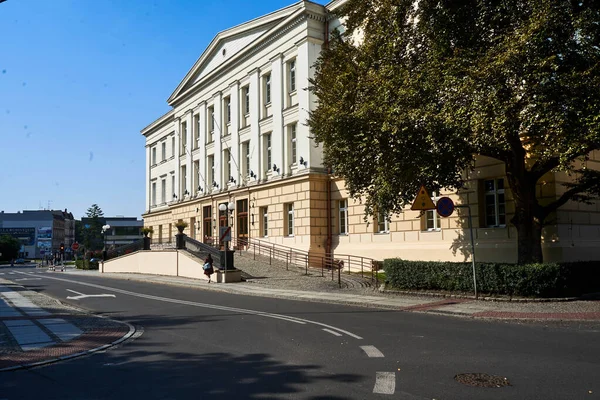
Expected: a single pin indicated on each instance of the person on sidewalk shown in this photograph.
(208, 267)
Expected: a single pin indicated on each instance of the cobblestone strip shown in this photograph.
(98, 333)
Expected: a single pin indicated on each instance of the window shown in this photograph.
(184, 178)
(246, 91)
(495, 205)
(268, 89)
(183, 137)
(268, 154)
(163, 191)
(292, 65)
(196, 130)
(173, 146)
(211, 124)
(153, 193)
(264, 212)
(164, 151)
(154, 156)
(228, 110)
(210, 170)
(383, 224)
(293, 146)
(343, 206)
(173, 185)
(432, 221)
(227, 164)
(246, 152)
(290, 218)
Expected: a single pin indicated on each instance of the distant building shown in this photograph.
(123, 230)
(41, 232)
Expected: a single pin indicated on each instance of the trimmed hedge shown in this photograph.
(86, 264)
(528, 280)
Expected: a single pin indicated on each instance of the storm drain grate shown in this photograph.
(482, 380)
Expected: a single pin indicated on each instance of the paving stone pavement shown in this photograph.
(36, 329)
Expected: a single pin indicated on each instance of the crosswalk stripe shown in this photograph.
(385, 383)
(372, 351)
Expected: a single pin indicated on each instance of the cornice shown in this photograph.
(276, 32)
(158, 123)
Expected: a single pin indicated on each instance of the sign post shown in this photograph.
(225, 237)
(472, 246)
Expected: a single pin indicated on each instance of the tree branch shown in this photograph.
(568, 195)
(539, 168)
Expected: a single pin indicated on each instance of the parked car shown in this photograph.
(95, 259)
(20, 261)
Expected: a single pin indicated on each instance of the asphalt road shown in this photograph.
(204, 344)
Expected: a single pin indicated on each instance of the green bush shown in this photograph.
(86, 264)
(529, 280)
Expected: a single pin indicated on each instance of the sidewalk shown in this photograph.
(262, 279)
(36, 329)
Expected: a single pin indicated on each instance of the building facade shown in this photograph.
(41, 232)
(237, 134)
(122, 230)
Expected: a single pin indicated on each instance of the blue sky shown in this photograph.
(79, 79)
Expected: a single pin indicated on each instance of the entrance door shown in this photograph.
(242, 224)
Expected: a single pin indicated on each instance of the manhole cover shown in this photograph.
(482, 380)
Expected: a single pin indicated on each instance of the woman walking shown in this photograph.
(208, 267)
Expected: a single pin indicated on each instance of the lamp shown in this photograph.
(200, 188)
(275, 169)
(105, 229)
(215, 184)
(186, 192)
(231, 180)
(252, 174)
(303, 162)
(174, 196)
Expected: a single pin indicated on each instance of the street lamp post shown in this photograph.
(223, 208)
(105, 229)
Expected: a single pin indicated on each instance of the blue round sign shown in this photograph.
(445, 206)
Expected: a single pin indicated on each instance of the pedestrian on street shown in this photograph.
(208, 267)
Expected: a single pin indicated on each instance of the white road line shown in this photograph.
(385, 383)
(28, 279)
(72, 291)
(372, 351)
(211, 306)
(332, 332)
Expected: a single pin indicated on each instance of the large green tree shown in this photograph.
(9, 247)
(92, 231)
(431, 84)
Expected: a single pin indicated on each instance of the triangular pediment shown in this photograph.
(229, 44)
(227, 49)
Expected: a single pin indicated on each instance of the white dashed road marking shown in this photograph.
(332, 332)
(385, 383)
(83, 296)
(372, 351)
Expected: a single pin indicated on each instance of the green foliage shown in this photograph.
(92, 235)
(94, 211)
(529, 280)
(430, 86)
(86, 264)
(9, 247)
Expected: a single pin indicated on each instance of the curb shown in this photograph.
(489, 298)
(125, 337)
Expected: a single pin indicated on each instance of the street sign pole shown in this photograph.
(472, 246)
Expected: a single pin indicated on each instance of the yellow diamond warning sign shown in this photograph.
(423, 201)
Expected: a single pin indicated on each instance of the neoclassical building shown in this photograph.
(237, 133)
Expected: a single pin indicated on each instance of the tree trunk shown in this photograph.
(528, 220)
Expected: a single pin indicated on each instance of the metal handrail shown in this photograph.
(124, 250)
(301, 258)
(202, 250)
